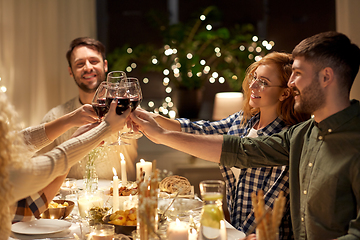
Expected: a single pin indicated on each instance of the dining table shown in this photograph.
(53, 229)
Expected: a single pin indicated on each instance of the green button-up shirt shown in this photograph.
(324, 162)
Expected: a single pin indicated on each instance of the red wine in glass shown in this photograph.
(100, 107)
(122, 105)
(134, 102)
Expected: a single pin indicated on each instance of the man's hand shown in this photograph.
(147, 125)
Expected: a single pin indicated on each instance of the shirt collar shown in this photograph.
(338, 119)
(275, 126)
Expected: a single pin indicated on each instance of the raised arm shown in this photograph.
(81, 116)
(207, 147)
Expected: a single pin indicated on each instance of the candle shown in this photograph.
(123, 170)
(102, 232)
(115, 191)
(178, 230)
(88, 201)
(146, 167)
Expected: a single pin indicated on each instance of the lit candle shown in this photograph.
(123, 170)
(178, 231)
(115, 191)
(146, 167)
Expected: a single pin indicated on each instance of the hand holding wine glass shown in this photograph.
(135, 94)
(99, 101)
(118, 92)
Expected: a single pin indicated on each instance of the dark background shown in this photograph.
(286, 22)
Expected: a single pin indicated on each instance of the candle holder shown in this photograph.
(88, 200)
(102, 232)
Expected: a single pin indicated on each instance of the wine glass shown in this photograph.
(115, 76)
(99, 101)
(135, 94)
(118, 92)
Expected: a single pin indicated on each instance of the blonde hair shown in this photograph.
(283, 63)
(12, 147)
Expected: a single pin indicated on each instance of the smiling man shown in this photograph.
(88, 67)
(323, 153)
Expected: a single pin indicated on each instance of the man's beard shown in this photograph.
(85, 88)
(311, 98)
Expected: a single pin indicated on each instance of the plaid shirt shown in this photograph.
(29, 208)
(270, 179)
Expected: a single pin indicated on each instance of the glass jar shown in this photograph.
(212, 221)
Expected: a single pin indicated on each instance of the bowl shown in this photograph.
(59, 212)
(120, 229)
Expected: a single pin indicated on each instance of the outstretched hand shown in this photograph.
(83, 115)
(117, 122)
(147, 125)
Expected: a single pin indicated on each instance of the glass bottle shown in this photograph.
(212, 221)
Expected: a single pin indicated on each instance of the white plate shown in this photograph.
(41, 226)
(234, 234)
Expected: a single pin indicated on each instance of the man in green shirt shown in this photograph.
(323, 153)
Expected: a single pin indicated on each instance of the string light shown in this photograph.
(255, 52)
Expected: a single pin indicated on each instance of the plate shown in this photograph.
(41, 226)
(234, 234)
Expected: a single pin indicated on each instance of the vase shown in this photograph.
(188, 102)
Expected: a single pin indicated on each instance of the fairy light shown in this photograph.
(168, 90)
(166, 72)
(154, 61)
(254, 52)
(151, 104)
(215, 75)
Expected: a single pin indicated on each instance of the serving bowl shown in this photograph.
(120, 229)
(58, 212)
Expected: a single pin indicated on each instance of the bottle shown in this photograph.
(212, 221)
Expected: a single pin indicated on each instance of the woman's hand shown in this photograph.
(147, 125)
(83, 115)
(117, 122)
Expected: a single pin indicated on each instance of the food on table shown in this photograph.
(174, 184)
(53, 204)
(124, 218)
(96, 214)
(124, 191)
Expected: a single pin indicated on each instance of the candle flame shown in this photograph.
(122, 157)
(114, 171)
(142, 160)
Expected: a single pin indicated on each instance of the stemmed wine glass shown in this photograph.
(99, 101)
(135, 94)
(118, 92)
(115, 76)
